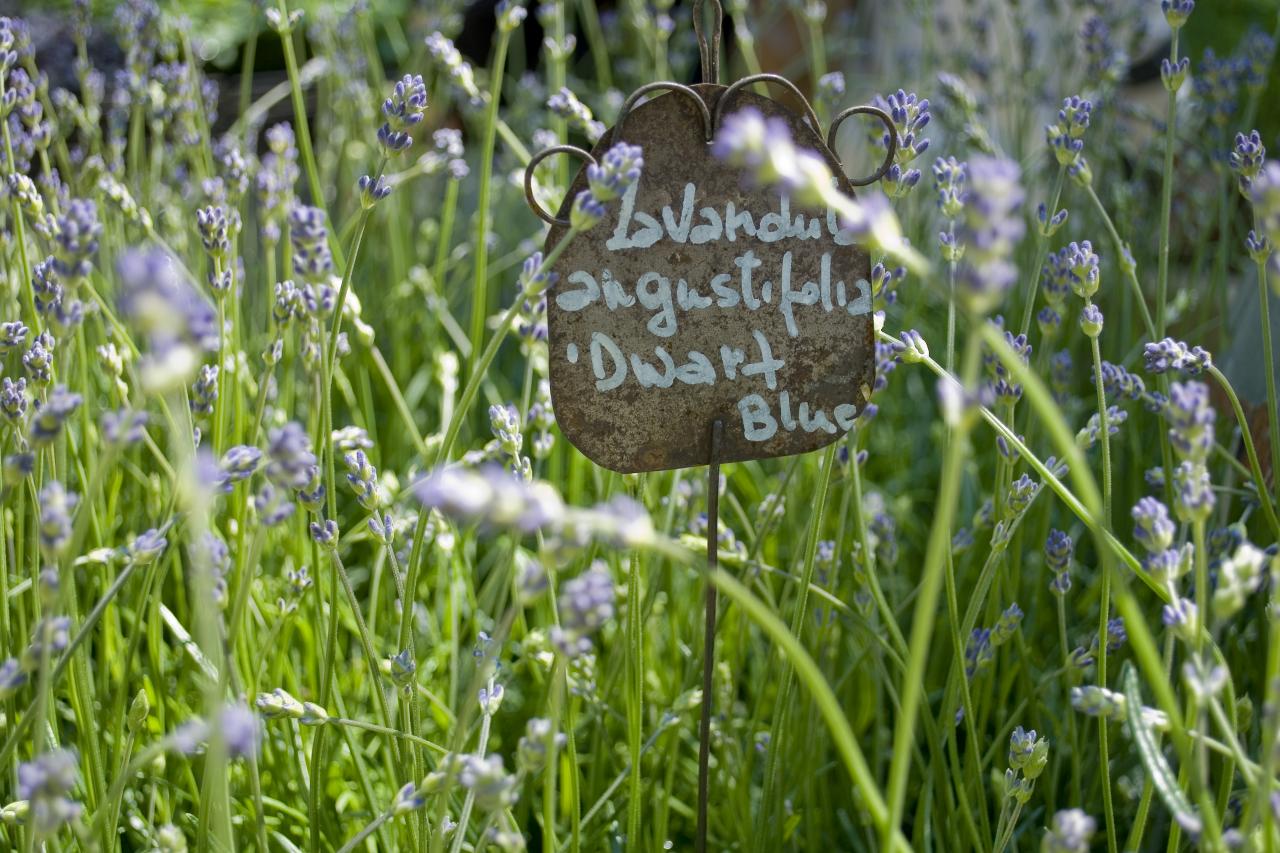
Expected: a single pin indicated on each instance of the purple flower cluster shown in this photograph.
(990, 230)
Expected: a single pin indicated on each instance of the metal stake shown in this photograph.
(709, 637)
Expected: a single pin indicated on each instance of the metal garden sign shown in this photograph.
(705, 320)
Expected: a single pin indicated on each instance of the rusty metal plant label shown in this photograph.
(701, 297)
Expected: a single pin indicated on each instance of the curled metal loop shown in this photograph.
(888, 125)
(528, 179)
(767, 78)
(709, 51)
(659, 86)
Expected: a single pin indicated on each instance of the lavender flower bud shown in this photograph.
(1152, 526)
(619, 168)
(1091, 321)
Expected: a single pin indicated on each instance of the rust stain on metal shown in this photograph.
(767, 327)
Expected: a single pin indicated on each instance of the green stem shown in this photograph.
(480, 280)
(1264, 494)
(1042, 246)
(1268, 363)
(923, 620)
(1166, 197)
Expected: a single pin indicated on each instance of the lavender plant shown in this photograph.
(1030, 601)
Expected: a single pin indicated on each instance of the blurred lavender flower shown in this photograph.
(1106, 63)
(289, 456)
(830, 89)
(1182, 617)
(765, 149)
(146, 547)
(566, 105)
(488, 780)
(531, 751)
(1191, 419)
(460, 73)
(57, 506)
(204, 391)
(50, 415)
(1239, 576)
(241, 730)
(950, 176)
(586, 603)
(123, 427)
(1088, 437)
(1193, 495)
(1071, 832)
(164, 308)
(990, 230)
(46, 783)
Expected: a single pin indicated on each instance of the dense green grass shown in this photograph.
(202, 614)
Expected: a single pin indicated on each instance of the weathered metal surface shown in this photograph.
(786, 376)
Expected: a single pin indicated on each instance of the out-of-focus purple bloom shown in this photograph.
(289, 456)
(78, 233)
(491, 498)
(567, 106)
(146, 546)
(50, 415)
(1191, 419)
(990, 230)
(1264, 191)
(57, 506)
(950, 176)
(204, 391)
(46, 783)
(1071, 832)
(586, 603)
(166, 309)
(123, 427)
(1105, 61)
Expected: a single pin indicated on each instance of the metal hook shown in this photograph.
(528, 179)
(674, 87)
(892, 133)
(767, 78)
(710, 53)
